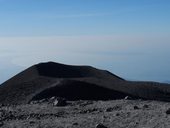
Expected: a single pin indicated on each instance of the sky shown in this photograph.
(130, 38)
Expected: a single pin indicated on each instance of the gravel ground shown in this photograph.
(87, 114)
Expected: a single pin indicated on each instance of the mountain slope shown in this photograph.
(45, 80)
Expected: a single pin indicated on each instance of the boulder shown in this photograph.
(100, 126)
(60, 102)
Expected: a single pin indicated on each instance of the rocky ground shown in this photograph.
(50, 113)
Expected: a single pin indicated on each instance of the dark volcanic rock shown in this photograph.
(115, 108)
(168, 111)
(1, 124)
(136, 107)
(128, 98)
(145, 106)
(100, 126)
(51, 79)
(60, 102)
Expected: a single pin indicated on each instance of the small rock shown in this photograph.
(85, 103)
(145, 106)
(75, 123)
(60, 102)
(136, 107)
(42, 101)
(117, 114)
(28, 117)
(34, 102)
(104, 117)
(2, 105)
(168, 111)
(38, 117)
(1, 124)
(115, 108)
(52, 98)
(100, 126)
(109, 110)
(32, 122)
(128, 98)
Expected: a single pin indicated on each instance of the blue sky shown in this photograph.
(128, 37)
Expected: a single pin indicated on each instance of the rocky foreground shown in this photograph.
(54, 113)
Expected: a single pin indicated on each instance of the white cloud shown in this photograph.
(25, 51)
(124, 55)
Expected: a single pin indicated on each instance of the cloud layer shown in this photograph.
(138, 57)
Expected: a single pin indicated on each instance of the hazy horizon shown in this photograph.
(128, 38)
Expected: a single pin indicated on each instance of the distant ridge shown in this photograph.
(49, 79)
(52, 69)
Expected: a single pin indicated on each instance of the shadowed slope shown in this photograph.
(76, 90)
(75, 82)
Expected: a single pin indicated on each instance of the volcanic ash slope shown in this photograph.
(50, 79)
